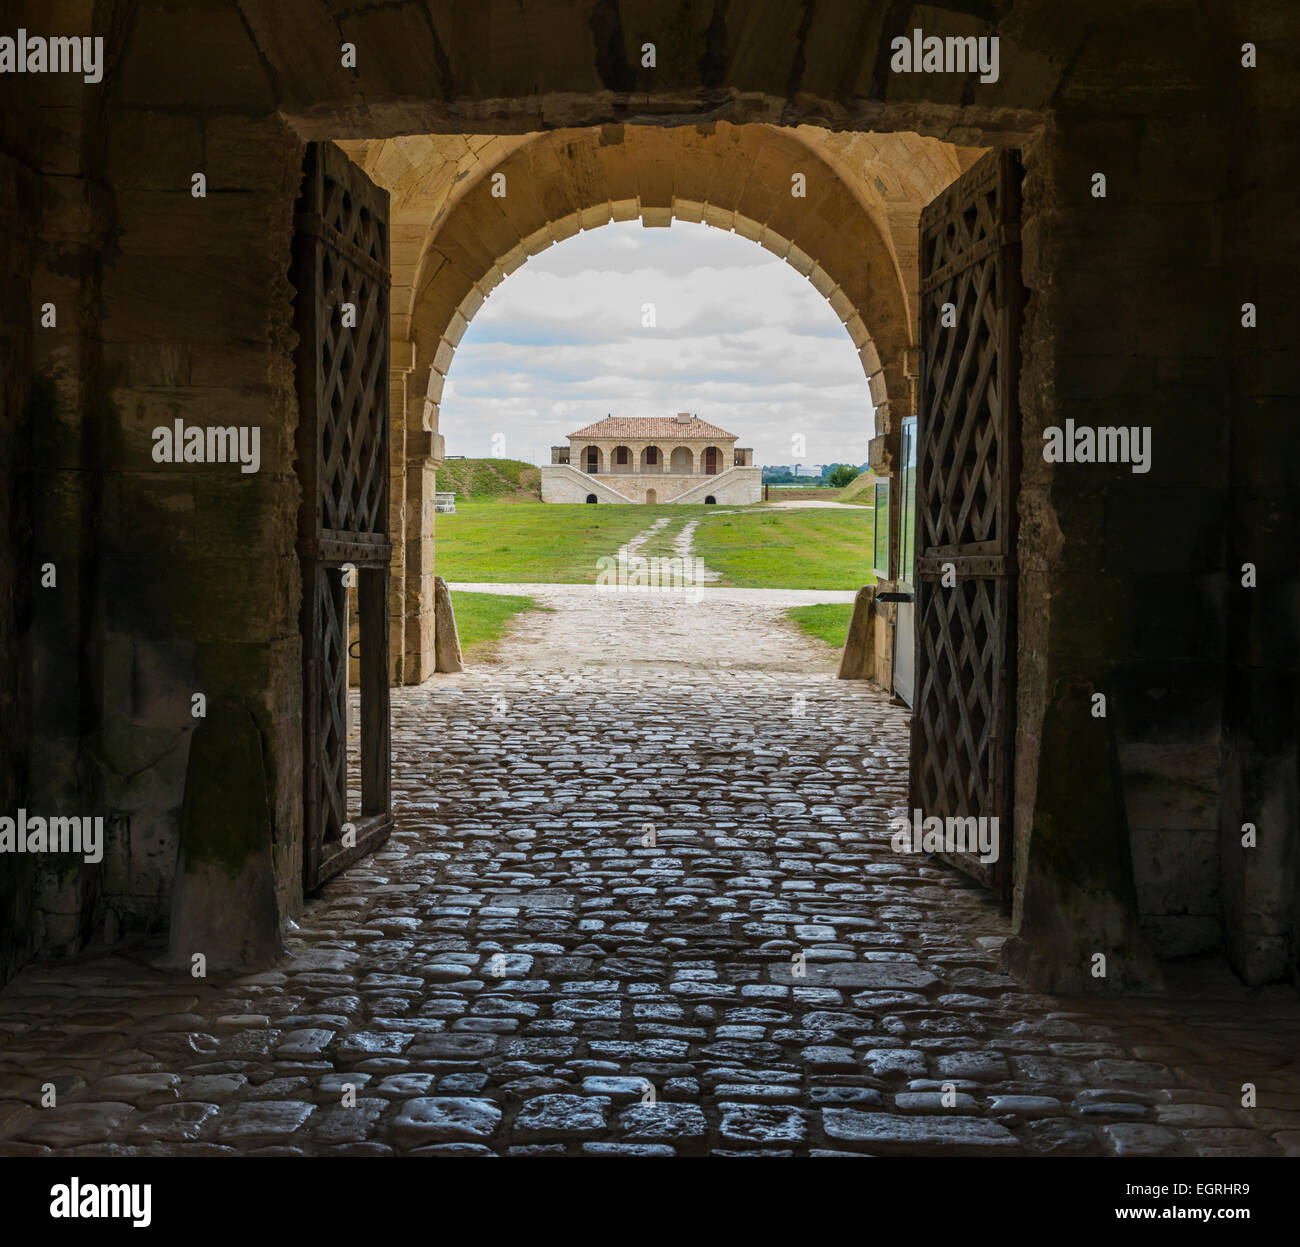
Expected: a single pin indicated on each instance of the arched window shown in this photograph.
(710, 501)
(591, 497)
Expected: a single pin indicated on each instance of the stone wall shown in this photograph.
(1259, 754)
(1123, 579)
(736, 486)
(20, 393)
(562, 483)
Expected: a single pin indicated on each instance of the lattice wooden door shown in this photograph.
(968, 438)
(340, 273)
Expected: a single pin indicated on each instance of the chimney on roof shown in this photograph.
(684, 417)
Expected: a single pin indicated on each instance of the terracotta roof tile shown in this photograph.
(665, 427)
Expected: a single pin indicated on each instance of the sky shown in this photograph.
(739, 339)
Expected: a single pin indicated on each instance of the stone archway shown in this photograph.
(824, 208)
(682, 461)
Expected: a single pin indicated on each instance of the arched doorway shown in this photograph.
(682, 462)
(710, 501)
(711, 457)
(591, 498)
(651, 497)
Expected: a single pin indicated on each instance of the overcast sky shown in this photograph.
(740, 339)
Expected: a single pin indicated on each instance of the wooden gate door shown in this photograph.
(968, 439)
(341, 276)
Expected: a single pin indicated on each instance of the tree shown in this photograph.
(842, 474)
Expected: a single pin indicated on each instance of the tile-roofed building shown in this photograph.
(650, 460)
(653, 426)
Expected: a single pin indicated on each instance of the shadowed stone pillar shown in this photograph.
(1079, 899)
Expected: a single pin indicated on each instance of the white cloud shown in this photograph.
(740, 338)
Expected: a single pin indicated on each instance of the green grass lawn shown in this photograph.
(547, 543)
(482, 619)
(814, 549)
(754, 547)
(827, 621)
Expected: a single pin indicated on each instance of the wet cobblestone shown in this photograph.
(582, 940)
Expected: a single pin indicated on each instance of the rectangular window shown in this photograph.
(881, 543)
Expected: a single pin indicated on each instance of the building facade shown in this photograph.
(678, 459)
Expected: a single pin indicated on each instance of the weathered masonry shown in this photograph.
(1102, 233)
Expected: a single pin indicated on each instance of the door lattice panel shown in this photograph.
(331, 615)
(967, 476)
(341, 314)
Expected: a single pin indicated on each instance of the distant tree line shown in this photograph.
(831, 475)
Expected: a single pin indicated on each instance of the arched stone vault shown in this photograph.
(852, 234)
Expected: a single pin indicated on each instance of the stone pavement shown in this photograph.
(643, 910)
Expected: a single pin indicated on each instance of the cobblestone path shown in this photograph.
(640, 911)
